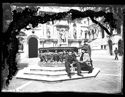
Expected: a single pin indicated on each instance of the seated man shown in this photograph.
(85, 61)
(70, 59)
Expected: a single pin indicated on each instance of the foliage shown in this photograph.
(22, 18)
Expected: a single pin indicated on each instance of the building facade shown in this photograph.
(60, 33)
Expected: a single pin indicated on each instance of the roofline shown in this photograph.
(67, 5)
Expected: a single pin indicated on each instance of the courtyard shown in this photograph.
(45, 30)
(109, 79)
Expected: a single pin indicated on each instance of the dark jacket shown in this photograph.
(116, 51)
(70, 58)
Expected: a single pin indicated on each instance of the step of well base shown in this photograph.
(23, 75)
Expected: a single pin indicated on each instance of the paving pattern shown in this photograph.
(109, 80)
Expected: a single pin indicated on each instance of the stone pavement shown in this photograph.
(109, 80)
(103, 55)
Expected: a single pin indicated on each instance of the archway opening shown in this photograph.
(33, 47)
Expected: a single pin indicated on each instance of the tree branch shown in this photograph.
(103, 27)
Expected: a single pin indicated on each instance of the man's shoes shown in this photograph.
(79, 74)
(69, 75)
(90, 71)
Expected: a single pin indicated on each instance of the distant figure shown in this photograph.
(104, 46)
(116, 53)
(101, 46)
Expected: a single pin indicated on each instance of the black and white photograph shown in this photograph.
(75, 48)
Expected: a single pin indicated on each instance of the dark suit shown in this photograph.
(116, 54)
(69, 60)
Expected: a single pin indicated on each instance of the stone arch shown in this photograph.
(31, 37)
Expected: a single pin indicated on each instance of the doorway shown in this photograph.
(33, 47)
